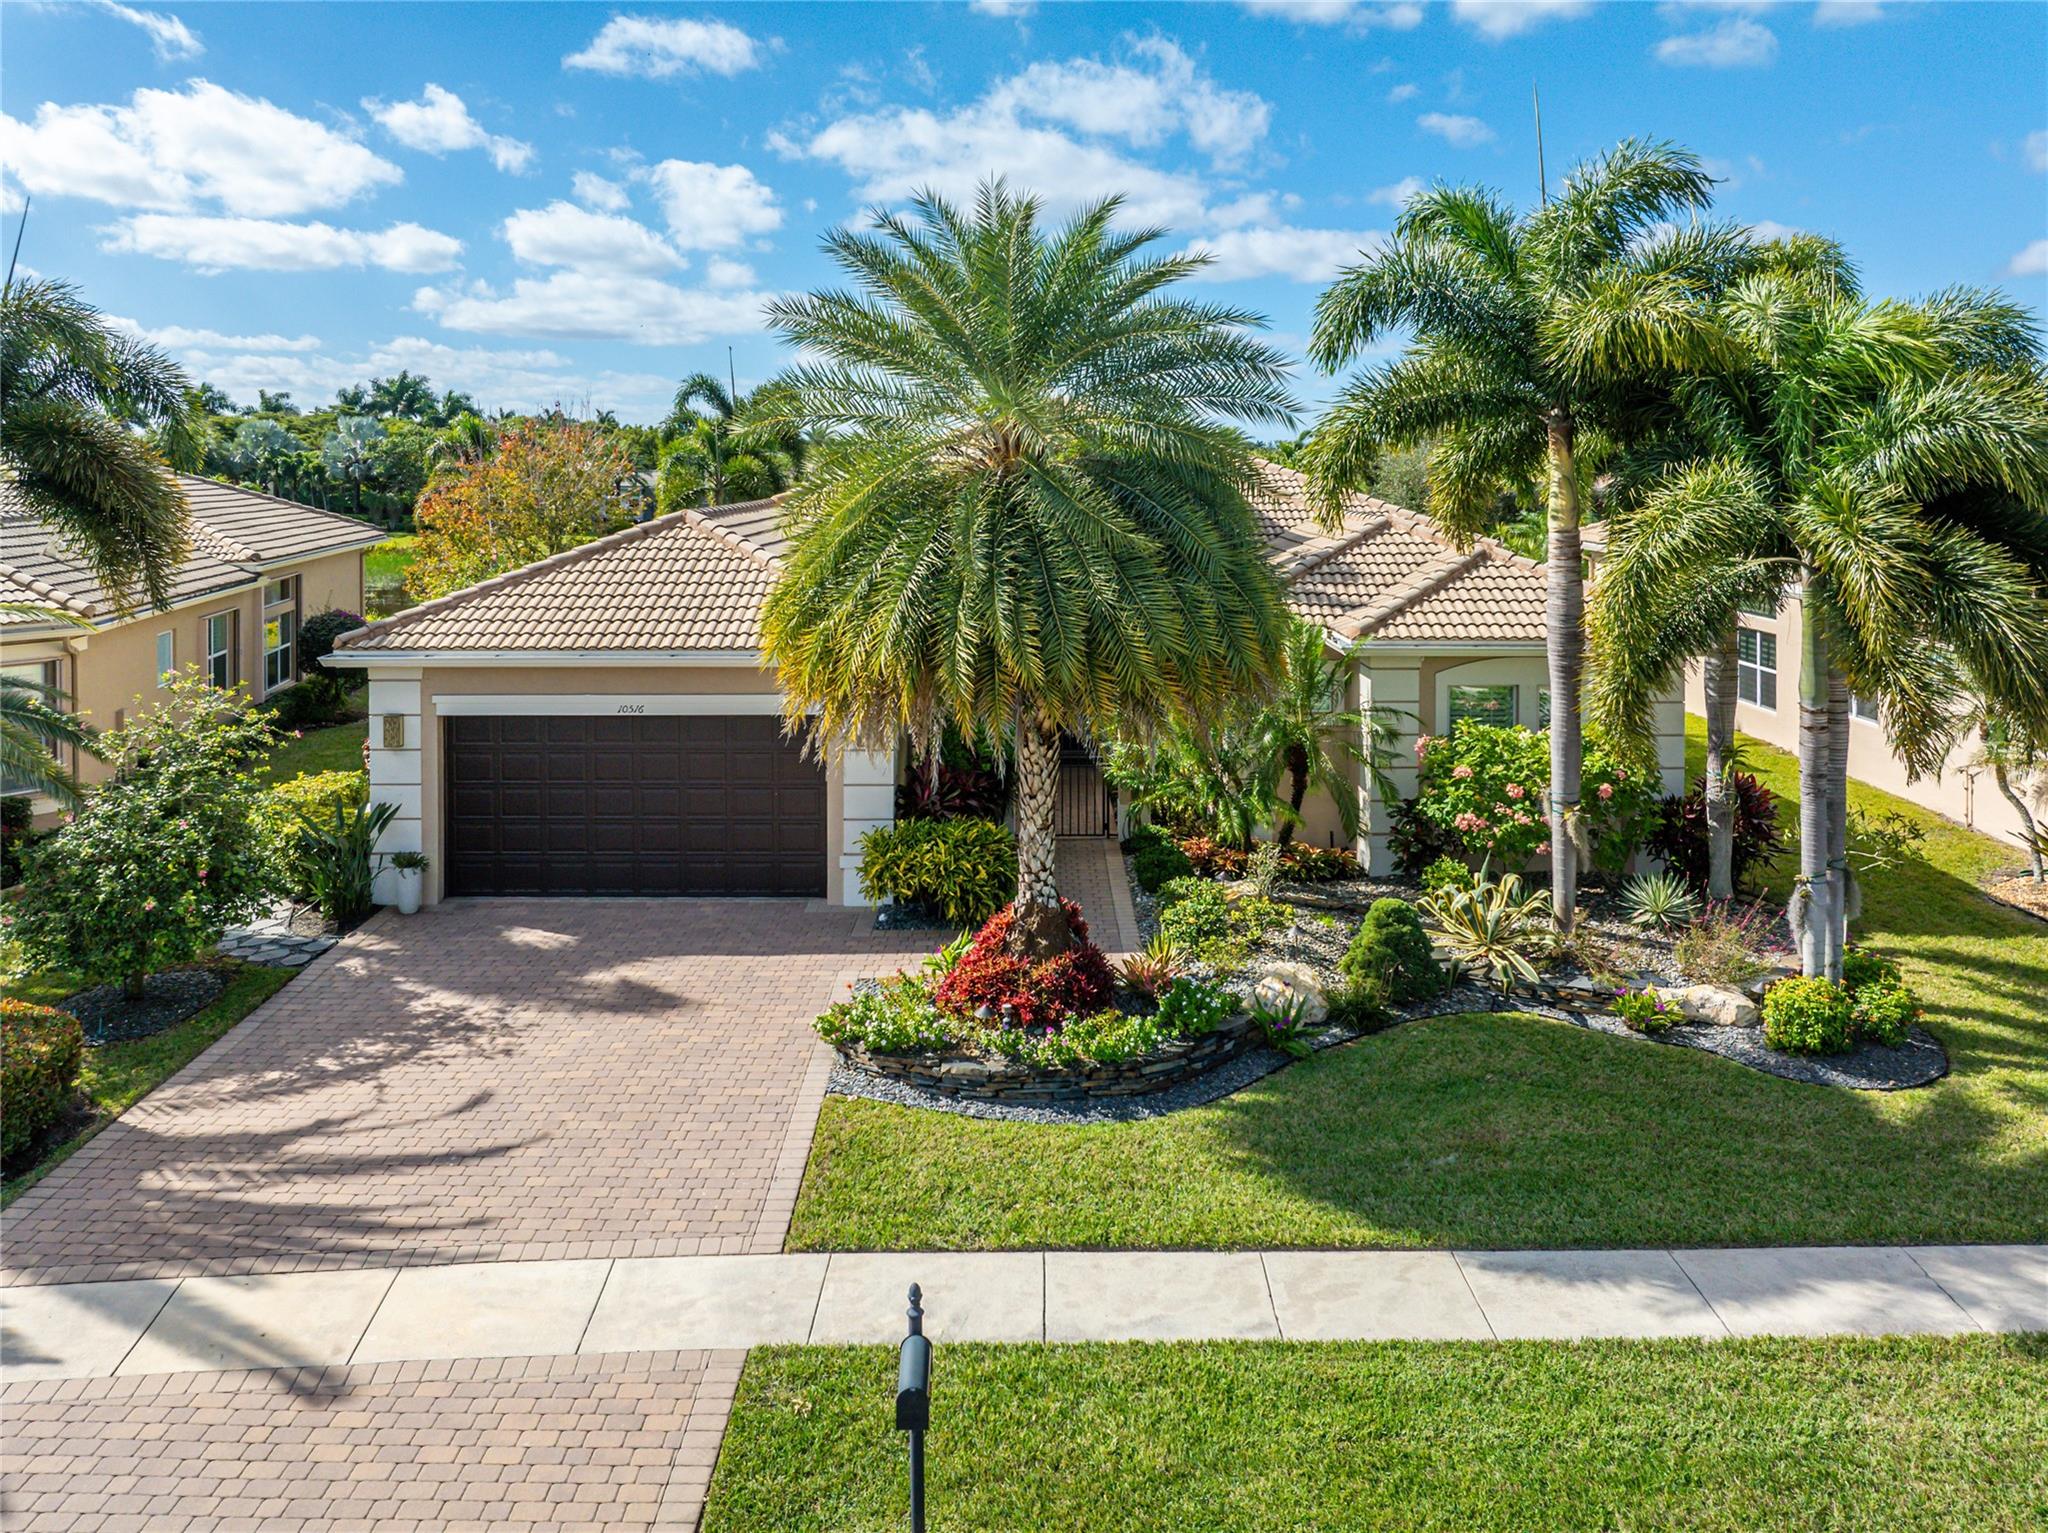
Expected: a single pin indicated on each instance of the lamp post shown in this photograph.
(914, 1401)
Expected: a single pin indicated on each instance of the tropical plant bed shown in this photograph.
(1871, 1066)
(110, 1015)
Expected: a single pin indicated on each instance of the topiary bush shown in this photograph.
(1808, 1016)
(41, 1052)
(280, 820)
(319, 634)
(1023, 992)
(1392, 951)
(960, 870)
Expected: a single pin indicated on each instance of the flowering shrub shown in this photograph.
(1483, 790)
(163, 856)
(1022, 992)
(897, 1017)
(1643, 1011)
(1192, 1009)
(41, 1053)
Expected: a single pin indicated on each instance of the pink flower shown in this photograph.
(149, 904)
(202, 873)
(1516, 790)
(1461, 772)
(1622, 773)
(298, 734)
(1470, 821)
(1607, 790)
(1421, 746)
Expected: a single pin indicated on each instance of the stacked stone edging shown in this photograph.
(991, 1078)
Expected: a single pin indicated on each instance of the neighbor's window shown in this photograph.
(280, 633)
(1756, 667)
(1864, 708)
(40, 673)
(279, 593)
(166, 656)
(220, 649)
(1760, 610)
(1482, 705)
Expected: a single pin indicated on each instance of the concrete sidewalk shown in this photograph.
(704, 1303)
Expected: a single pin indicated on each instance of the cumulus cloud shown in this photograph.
(1002, 7)
(1397, 195)
(712, 207)
(1401, 93)
(2036, 151)
(1846, 13)
(657, 48)
(598, 305)
(1459, 131)
(1737, 43)
(440, 122)
(599, 192)
(1765, 230)
(213, 244)
(1498, 19)
(169, 36)
(170, 150)
(1142, 99)
(563, 234)
(1398, 17)
(183, 338)
(2031, 262)
(1301, 255)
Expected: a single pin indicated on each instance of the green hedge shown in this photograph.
(963, 871)
(283, 832)
(41, 1052)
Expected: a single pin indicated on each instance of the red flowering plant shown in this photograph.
(1020, 992)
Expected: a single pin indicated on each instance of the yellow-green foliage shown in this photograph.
(963, 871)
(282, 830)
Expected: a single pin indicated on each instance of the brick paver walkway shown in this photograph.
(490, 1080)
(1090, 871)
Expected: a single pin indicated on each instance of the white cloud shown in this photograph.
(440, 122)
(212, 244)
(1736, 43)
(1002, 7)
(598, 191)
(1498, 19)
(1846, 13)
(169, 150)
(2036, 151)
(2031, 262)
(1397, 195)
(712, 207)
(656, 48)
(1156, 92)
(598, 305)
(1401, 93)
(169, 36)
(723, 271)
(1767, 229)
(1459, 131)
(1302, 255)
(563, 234)
(1359, 17)
(182, 338)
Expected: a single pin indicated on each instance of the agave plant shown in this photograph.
(1660, 899)
(1493, 927)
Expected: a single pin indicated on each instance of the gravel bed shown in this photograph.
(1919, 1061)
(168, 998)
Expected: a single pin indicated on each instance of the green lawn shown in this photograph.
(1513, 1131)
(1899, 1434)
(390, 559)
(117, 1076)
(336, 749)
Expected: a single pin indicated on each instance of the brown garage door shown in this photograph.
(605, 805)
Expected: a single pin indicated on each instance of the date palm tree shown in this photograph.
(1537, 337)
(1025, 508)
(1890, 461)
(73, 390)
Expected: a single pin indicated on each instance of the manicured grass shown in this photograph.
(390, 559)
(1513, 1131)
(119, 1075)
(335, 749)
(1934, 1433)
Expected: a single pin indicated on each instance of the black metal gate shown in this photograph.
(1085, 804)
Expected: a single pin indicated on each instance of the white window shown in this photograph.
(220, 649)
(1482, 705)
(166, 656)
(280, 633)
(279, 593)
(1756, 667)
(1759, 611)
(40, 674)
(1863, 708)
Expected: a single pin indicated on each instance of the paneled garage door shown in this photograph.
(605, 805)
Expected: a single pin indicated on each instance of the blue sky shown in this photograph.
(580, 203)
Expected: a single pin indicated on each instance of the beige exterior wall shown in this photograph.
(1962, 791)
(408, 704)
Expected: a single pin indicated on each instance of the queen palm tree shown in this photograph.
(1025, 507)
(721, 448)
(1891, 461)
(72, 392)
(1537, 337)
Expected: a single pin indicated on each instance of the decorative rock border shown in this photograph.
(988, 1078)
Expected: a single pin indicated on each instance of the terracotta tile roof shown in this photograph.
(234, 534)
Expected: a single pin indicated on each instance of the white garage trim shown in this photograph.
(589, 704)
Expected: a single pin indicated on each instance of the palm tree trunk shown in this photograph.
(1809, 912)
(1297, 790)
(1038, 927)
(1565, 614)
(1844, 898)
(1719, 675)
(2032, 831)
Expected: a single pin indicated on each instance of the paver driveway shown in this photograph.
(489, 1080)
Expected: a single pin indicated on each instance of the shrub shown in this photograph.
(335, 850)
(961, 870)
(1156, 858)
(1680, 836)
(1299, 862)
(316, 701)
(1723, 946)
(896, 1017)
(1483, 786)
(1447, 873)
(1658, 899)
(1023, 992)
(1148, 974)
(318, 635)
(1359, 1006)
(1392, 951)
(41, 1053)
(1197, 915)
(16, 837)
(1494, 927)
(1417, 841)
(1192, 1009)
(1618, 802)
(1883, 1012)
(1862, 967)
(281, 826)
(1808, 1016)
(969, 791)
(163, 856)
(1643, 1011)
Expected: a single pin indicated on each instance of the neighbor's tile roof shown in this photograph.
(234, 534)
(695, 580)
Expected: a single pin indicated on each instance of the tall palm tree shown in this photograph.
(1025, 509)
(350, 454)
(1890, 460)
(465, 441)
(403, 396)
(72, 392)
(1537, 337)
(722, 448)
(1312, 738)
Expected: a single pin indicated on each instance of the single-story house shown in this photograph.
(258, 566)
(600, 722)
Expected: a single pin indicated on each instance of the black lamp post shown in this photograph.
(914, 1401)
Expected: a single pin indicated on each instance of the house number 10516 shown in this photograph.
(632, 707)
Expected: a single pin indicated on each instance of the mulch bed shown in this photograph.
(168, 998)
(2022, 894)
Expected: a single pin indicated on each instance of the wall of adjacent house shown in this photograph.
(859, 791)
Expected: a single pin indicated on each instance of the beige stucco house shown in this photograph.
(258, 567)
(600, 723)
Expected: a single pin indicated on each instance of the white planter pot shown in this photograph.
(409, 882)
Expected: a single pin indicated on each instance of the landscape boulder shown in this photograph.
(1714, 1004)
(1282, 984)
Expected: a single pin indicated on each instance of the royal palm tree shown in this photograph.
(1890, 461)
(72, 392)
(1312, 737)
(721, 447)
(403, 396)
(1536, 337)
(1025, 507)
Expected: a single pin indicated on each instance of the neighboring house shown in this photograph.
(1767, 707)
(258, 567)
(600, 723)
